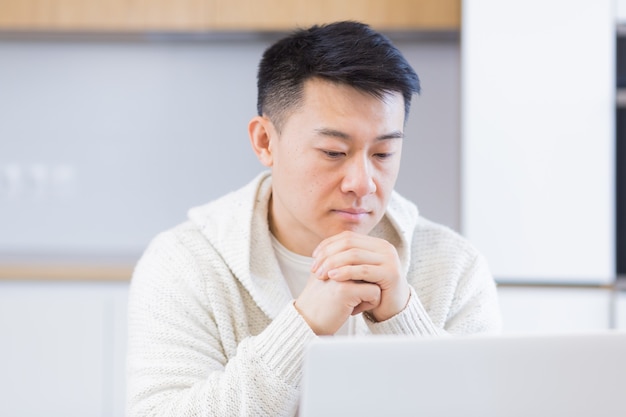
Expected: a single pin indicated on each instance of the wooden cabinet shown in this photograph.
(389, 14)
(220, 15)
(104, 15)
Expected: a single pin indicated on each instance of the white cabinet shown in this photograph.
(554, 310)
(538, 97)
(63, 348)
(620, 310)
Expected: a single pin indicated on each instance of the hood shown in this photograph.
(236, 226)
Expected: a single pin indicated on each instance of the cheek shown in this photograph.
(316, 189)
(315, 184)
(387, 181)
(391, 173)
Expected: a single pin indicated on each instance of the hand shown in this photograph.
(353, 257)
(326, 305)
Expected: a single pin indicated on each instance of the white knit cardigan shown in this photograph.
(212, 327)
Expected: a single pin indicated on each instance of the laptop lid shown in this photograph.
(488, 376)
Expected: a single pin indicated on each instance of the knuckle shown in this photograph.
(364, 272)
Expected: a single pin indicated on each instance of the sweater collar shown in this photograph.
(236, 226)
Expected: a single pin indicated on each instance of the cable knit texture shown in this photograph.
(212, 326)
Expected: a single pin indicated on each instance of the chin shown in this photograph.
(363, 229)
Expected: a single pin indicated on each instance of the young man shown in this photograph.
(223, 306)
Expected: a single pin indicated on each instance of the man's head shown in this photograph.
(349, 53)
(332, 103)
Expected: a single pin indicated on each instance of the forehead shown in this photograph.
(318, 88)
(332, 100)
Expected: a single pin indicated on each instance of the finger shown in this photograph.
(371, 274)
(364, 293)
(363, 307)
(360, 273)
(343, 240)
(363, 264)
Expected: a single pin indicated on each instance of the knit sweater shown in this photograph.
(212, 326)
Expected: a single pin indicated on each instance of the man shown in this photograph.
(223, 306)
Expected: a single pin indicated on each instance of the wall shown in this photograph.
(105, 143)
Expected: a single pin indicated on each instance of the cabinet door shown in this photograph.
(538, 90)
(554, 310)
(62, 349)
(118, 308)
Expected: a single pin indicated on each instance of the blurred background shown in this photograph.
(118, 116)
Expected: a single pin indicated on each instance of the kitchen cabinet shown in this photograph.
(106, 15)
(538, 161)
(528, 309)
(219, 15)
(390, 14)
(63, 348)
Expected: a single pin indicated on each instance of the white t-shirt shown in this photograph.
(295, 268)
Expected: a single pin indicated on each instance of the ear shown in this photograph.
(262, 133)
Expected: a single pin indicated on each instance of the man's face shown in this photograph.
(334, 164)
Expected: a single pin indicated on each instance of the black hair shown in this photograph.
(345, 52)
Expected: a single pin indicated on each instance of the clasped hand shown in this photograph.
(352, 273)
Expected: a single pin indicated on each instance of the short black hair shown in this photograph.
(347, 52)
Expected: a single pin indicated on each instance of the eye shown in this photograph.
(383, 155)
(333, 154)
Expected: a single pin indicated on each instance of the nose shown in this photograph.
(358, 177)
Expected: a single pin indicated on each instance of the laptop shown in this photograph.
(488, 376)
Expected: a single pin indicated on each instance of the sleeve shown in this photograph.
(471, 308)
(413, 320)
(475, 307)
(179, 363)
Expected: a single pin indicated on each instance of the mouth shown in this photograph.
(352, 214)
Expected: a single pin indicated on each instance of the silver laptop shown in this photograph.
(565, 375)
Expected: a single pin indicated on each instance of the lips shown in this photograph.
(352, 214)
(353, 211)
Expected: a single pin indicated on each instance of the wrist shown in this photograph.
(386, 311)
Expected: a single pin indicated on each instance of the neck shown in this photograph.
(295, 245)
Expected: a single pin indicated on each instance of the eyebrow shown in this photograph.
(344, 136)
